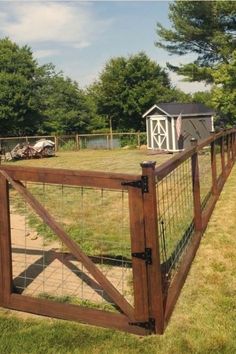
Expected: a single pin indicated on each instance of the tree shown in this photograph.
(98, 122)
(127, 87)
(224, 91)
(204, 97)
(18, 90)
(207, 29)
(65, 107)
(37, 99)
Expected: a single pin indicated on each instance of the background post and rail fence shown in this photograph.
(114, 249)
(75, 142)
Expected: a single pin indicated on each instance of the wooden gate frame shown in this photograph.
(140, 319)
(152, 309)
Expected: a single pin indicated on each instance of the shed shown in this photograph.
(170, 126)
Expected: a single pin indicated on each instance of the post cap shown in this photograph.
(148, 164)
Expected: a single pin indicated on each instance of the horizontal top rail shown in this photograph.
(109, 133)
(69, 177)
(27, 137)
(70, 135)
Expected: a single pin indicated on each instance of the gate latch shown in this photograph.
(146, 255)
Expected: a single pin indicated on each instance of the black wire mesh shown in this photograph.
(226, 157)
(205, 174)
(67, 143)
(230, 147)
(218, 157)
(175, 215)
(96, 219)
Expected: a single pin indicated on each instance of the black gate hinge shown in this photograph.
(141, 183)
(146, 255)
(150, 324)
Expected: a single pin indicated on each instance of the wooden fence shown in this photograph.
(139, 267)
(76, 142)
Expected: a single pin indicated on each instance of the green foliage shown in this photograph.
(207, 29)
(19, 86)
(204, 97)
(224, 90)
(132, 140)
(69, 145)
(36, 99)
(127, 87)
(128, 140)
(98, 121)
(65, 106)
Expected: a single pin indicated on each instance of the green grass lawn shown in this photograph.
(204, 320)
(118, 160)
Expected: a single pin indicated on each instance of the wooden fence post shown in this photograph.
(138, 246)
(155, 291)
(138, 136)
(5, 244)
(56, 143)
(213, 165)
(196, 188)
(77, 141)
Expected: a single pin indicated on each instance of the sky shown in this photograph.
(79, 37)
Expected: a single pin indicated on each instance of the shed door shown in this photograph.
(159, 133)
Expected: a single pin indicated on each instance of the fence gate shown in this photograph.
(31, 268)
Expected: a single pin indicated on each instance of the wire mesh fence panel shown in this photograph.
(218, 157)
(10, 143)
(205, 174)
(225, 149)
(131, 140)
(66, 143)
(7, 145)
(175, 215)
(230, 147)
(112, 141)
(102, 141)
(97, 220)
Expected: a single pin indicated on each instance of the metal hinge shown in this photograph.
(150, 324)
(146, 255)
(141, 183)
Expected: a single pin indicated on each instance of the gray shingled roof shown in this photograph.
(185, 108)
